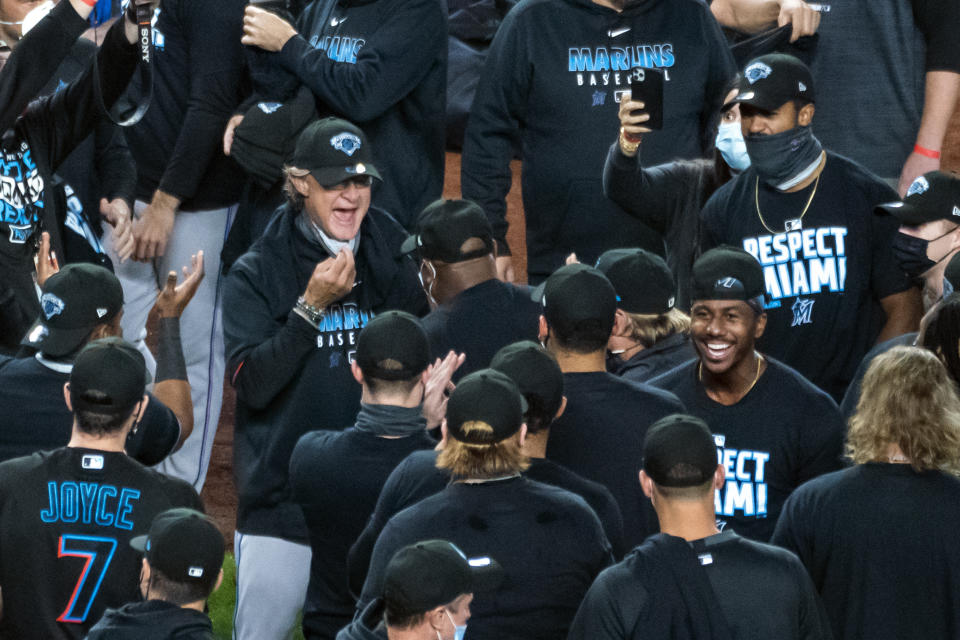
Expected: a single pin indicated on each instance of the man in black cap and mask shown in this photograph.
(773, 429)
(692, 580)
(929, 234)
(474, 312)
(293, 308)
(336, 476)
(806, 214)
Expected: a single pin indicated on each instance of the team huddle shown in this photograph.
(724, 405)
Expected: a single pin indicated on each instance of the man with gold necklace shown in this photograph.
(773, 428)
(833, 285)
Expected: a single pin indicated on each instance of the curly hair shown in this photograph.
(909, 399)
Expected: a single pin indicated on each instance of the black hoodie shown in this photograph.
(152, 620)
(552, 82)
(381, 64)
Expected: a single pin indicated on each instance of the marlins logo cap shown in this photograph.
(728, 273)
(433, 573)
(770, 81)
(184, 545)
(74, 301)
(642, 280)
(334, 150)
(933, 196)
(444, 226)
(488, 403)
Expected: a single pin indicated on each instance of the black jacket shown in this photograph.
(291, 378)
(39, 140)
(152, 620)
(381, 64)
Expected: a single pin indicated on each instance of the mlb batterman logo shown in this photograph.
(756, 71)
(51, 305)
(346, 142)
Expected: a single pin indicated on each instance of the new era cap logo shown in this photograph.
(195, 572)
(359, 168)
(269, 107)
(101, 311)
(757, 71)
(920, 185)
(92, 462)
(801, 86)
(727, 283)
(346, 142)
(719, 439)
(51, 305)
(956, 210)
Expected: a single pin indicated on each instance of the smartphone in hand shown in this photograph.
(646, 85)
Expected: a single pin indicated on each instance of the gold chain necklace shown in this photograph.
(752, 384)
(789, 225)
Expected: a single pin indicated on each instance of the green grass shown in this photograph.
(222, 602)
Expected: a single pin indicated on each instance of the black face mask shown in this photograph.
(782, 156)
(911, 253)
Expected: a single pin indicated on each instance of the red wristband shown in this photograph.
(930, 153)
(89, 3)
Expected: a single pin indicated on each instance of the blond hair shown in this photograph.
(482, 461)
(294, 198)
(650, 328)
(910, 400)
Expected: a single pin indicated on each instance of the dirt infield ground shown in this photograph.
(219, 494)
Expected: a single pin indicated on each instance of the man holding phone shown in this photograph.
(552, 83)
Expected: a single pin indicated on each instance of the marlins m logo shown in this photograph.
(757, 71)
(346, 142)
(802, 311)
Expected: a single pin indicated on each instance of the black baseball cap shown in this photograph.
(535, 371)
(675, 440)
(576, 295)
(434, 573)
(184, 545)
(933, 196)
(488, 397)
(727, 273)
(112, 367)
(334, 150)
(393, 335)
(74, 301)
(444, 225)
(770, 81)
(642, 280)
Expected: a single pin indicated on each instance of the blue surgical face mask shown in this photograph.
(459, 630)
(731, 146)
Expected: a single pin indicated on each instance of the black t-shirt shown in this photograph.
(782, 433)
(762, 591)
(336, 478)
(824, 281)
(66, 520)
(418, 477)
(600, 436)
(481, 320)
(36, 418)
(548, 541)
(880, 542)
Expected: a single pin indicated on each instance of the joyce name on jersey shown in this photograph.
(338, 332)
(745, 493)
(802, 262)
